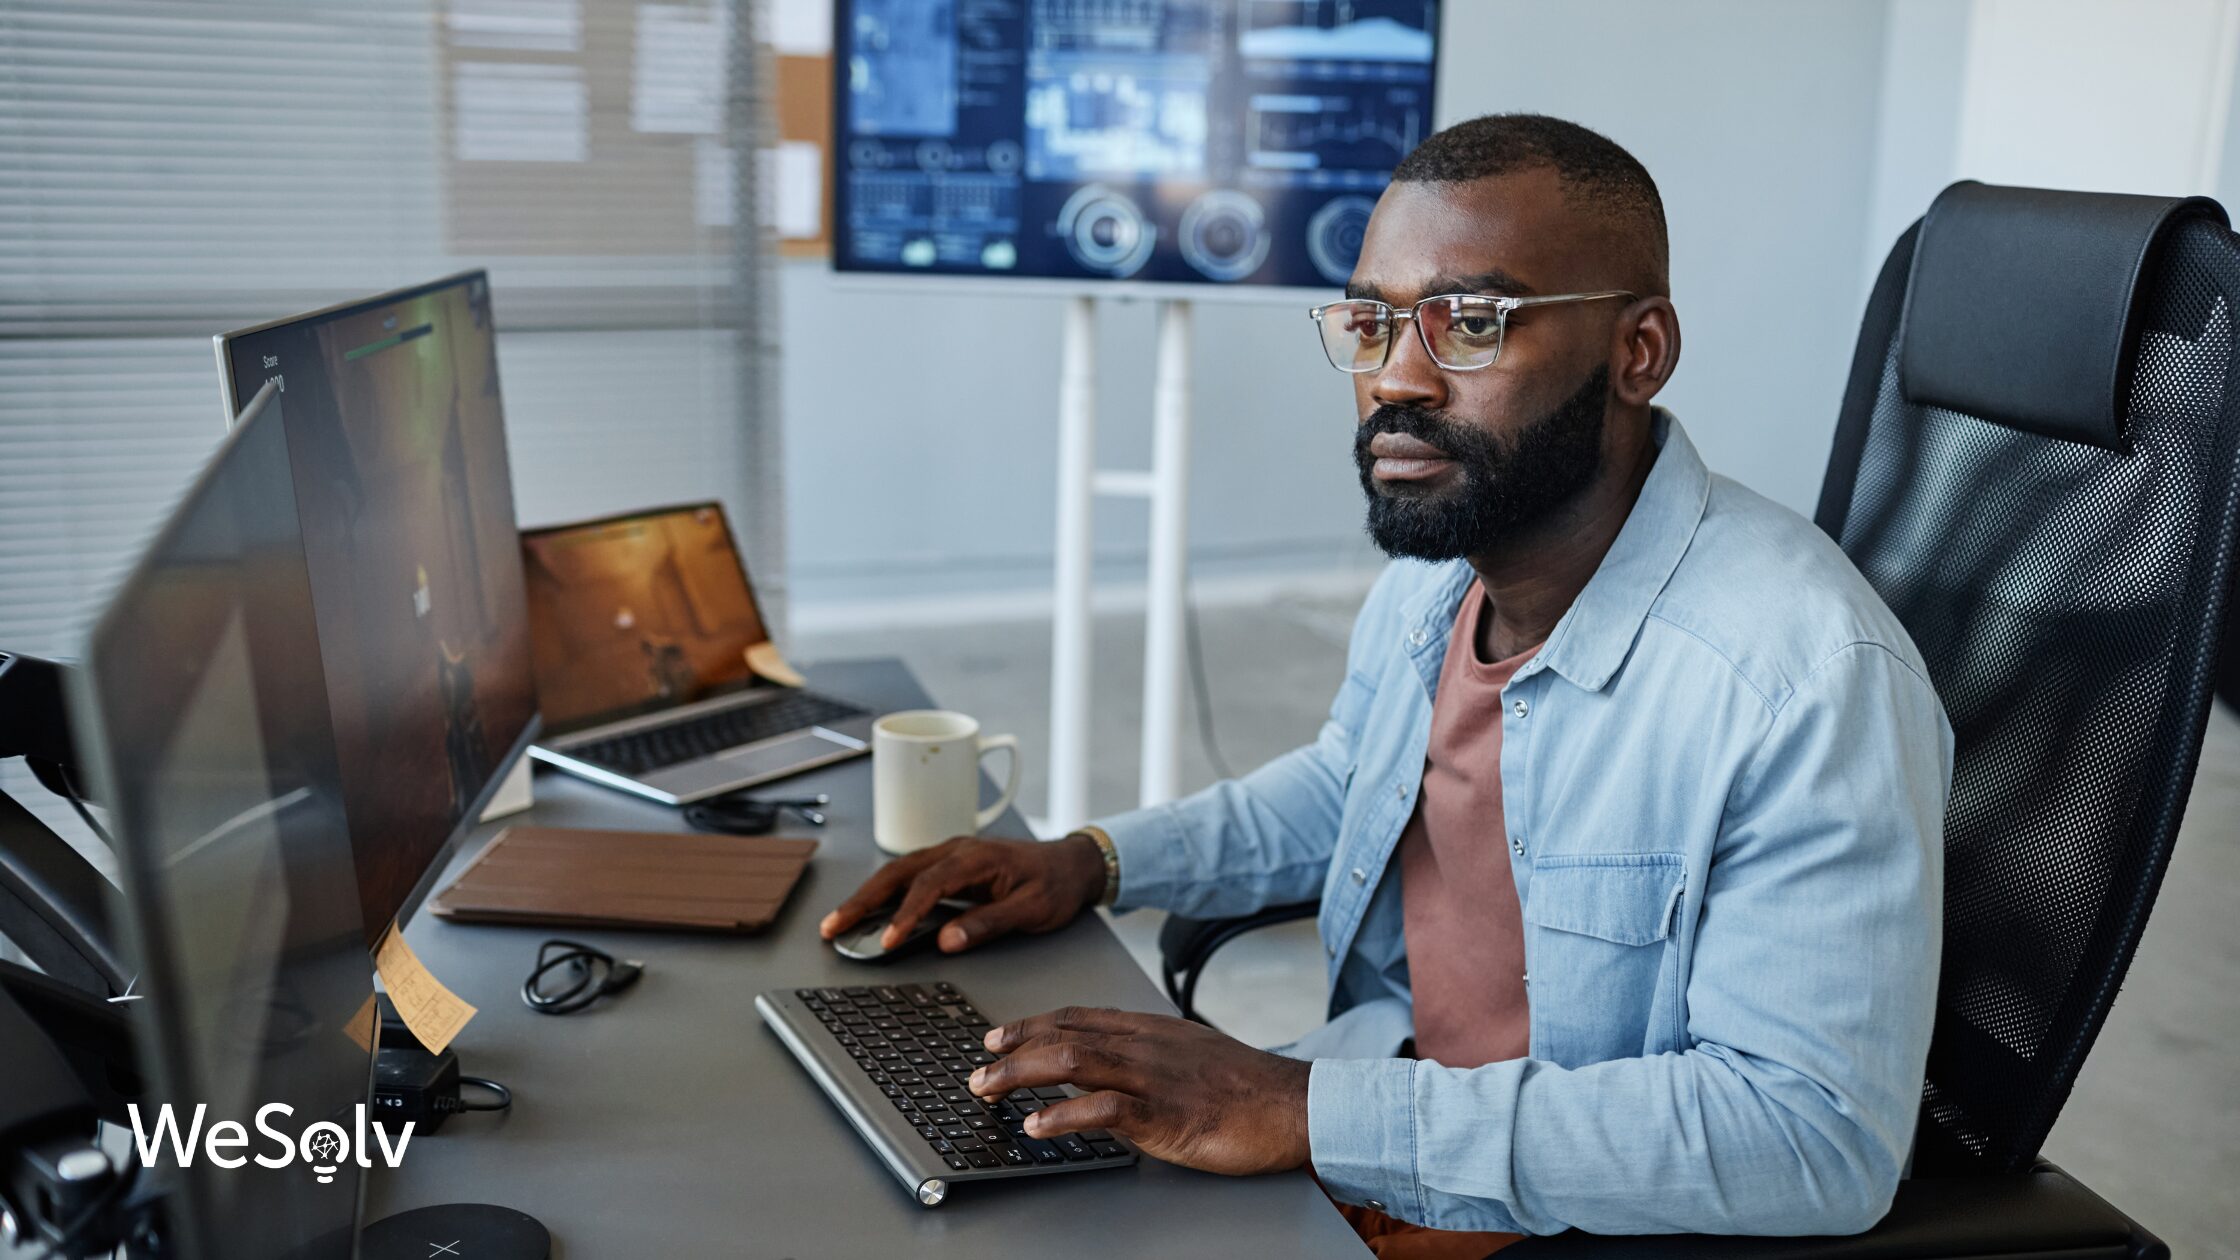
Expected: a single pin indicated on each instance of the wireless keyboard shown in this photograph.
(894, 1059)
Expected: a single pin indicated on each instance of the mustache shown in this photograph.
(1416, 422)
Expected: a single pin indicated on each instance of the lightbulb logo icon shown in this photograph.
(325, 1146)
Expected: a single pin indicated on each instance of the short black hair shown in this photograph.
(1596, 172)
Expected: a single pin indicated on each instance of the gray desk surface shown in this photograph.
(669, 1122)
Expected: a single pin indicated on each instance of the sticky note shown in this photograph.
(764, 660)
(360, 1027)
(434, 1014)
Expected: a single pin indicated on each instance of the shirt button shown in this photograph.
(1520, 708)
(1330, 951)
(1418, 637)
(1517, 847)
(1399, 791)
(1360, 876)
(1378, 1204)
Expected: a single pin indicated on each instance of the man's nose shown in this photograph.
(1409, 377)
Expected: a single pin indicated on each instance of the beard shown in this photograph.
(1504, 487)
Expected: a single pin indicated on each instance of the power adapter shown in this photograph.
(414, 1085)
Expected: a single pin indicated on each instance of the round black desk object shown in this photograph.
(470, 1231)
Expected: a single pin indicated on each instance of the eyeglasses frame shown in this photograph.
(1504, 305)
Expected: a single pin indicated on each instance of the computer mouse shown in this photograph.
(861, 942)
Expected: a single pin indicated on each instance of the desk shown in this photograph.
(670, 1122)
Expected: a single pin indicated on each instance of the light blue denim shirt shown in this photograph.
(1724, 780)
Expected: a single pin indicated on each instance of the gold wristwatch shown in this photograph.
(1111, 857)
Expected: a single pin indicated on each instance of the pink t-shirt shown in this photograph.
(1458, 897)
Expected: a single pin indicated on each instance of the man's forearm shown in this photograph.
(1238, 846)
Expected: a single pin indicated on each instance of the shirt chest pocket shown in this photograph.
(1599, 949)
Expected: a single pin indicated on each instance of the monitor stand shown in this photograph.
(475, 1231)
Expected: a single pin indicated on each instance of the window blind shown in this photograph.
(171, 169)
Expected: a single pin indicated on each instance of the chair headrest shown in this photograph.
(2023, 304)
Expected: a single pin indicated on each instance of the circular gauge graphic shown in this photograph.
(1225, 235)
(867, 154)
(1003, 157)
(1334, 236)
(1105, 232)
(933, 156)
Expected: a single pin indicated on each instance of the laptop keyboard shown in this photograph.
(918, 1044)
(690, 739)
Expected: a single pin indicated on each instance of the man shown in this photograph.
(1627, 820)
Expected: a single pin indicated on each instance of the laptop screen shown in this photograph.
(635, 614)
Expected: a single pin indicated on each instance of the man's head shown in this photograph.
(1469, 462)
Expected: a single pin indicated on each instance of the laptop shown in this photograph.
(656, 673)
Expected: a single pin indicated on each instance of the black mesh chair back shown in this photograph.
(2036, 466)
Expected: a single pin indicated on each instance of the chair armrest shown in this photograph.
(1185, 945)
(2040, 1213)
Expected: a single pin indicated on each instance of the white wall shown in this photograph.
(2081, 94)
(922, 469)
(2089, 95)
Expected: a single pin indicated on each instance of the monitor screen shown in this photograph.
(396, 438)
(207, 733)
(636, 613)
(1212, 142)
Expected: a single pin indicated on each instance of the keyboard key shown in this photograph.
(1108, 1150)
(983, 1160)
(1052, 1093)
(1075, 1149)
(1013, 1156)
(1043, 1152)
(956, 1162)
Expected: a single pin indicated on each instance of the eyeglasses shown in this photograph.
(1463, 331)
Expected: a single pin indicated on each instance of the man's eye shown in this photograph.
(1476, 325)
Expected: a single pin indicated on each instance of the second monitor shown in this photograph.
(397, 446)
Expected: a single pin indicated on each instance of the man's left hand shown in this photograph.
(1181, 1091)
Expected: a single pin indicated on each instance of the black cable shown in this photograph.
(78, 803)
(736, 813)
(591, 974)
(505, 1096)
(1200, 693)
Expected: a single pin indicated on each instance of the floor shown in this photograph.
(2154, 1123)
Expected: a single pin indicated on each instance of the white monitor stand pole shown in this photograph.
(1167, 486)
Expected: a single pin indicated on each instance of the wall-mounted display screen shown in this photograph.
(1222, 142)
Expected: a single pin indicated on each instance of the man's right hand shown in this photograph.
(1029, 886)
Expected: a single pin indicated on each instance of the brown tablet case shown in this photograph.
(685, 881)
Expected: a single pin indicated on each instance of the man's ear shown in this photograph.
(1645, 348)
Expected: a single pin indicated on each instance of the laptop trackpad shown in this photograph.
(780, 755)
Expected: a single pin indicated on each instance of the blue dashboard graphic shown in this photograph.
(1236, 142)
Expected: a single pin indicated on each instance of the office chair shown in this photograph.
(2037, 465)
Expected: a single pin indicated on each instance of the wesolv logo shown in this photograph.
(323, 1144)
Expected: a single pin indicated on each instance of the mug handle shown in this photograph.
(1011, 785)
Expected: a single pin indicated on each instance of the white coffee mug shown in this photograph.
(925, 778)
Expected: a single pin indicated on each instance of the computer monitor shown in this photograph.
(1223, 143)
(204, 725)
(397, 449)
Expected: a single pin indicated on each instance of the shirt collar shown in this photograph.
(1599, 629)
